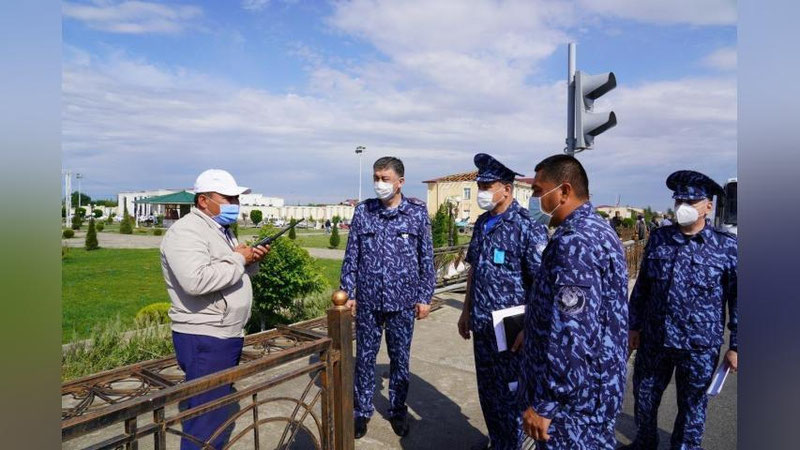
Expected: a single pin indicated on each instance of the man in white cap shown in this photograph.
(207, 273)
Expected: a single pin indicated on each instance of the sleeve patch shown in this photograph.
(571, 299)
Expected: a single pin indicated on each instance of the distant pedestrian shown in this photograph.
(327, 226)
(616, 223)
(666, 222)
(641, 228)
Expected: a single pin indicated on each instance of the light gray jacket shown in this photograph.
(207, 282)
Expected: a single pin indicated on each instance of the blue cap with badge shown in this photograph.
(691, 185)
(490, 169)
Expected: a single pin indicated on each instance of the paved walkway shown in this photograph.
(116, 240)
(443, 400)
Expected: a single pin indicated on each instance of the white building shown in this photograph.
(259, 200)
(271, 208)
(138, 210)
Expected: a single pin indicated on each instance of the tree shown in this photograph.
(85, 199)
(91, 237)
(81, 212)
(286, 274)
(77, 221)
(292, 233)
(439, 226)
(97, 213)
(126, 226)
(256, 216)
(334, 239)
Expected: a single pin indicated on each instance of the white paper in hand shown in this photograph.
(497, 323)
(718, 380)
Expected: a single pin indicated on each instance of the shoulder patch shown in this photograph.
(415, 201)
(571, 299)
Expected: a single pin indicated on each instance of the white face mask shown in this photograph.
(486, 199)
(384, 190)
(686, 214)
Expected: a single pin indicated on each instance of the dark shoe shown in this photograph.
(399, 425)
(360, 427)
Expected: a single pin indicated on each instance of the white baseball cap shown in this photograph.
(219, 181)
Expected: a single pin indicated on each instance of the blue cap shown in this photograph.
(691, 185)
(490, 169)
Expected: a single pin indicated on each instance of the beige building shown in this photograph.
(461, 189)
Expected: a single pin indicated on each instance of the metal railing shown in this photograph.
(122, 407)
(634, 252)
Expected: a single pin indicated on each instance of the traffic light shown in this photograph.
(588, 123)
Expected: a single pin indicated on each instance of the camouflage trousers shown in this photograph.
(499, 404)
(652, 372)
(575, 433)
(399, 327)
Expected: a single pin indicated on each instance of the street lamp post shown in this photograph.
(79, 176)
(67, 197)
(360, 152)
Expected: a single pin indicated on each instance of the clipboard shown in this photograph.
(718, 379)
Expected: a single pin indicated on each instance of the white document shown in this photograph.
(718, 380)
(499, 329)
(512, 386)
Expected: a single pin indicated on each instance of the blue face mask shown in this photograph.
(535, 208)
(227, 214)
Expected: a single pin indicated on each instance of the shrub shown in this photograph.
(82, 212)
(97, 213)
(160, 220)
(292, 232)
(256, 217)
(334, 239)
(111, 346)
(287, 273)
(126, 226)
(91, 237)
(158, 231)
(628, 222)
(68, 233)
(77, 221)
(153, 313)
(439, 226)
(110, 219)
(99, 226)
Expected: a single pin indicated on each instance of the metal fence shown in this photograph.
(294, 385)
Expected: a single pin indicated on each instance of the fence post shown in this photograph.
(340, 330)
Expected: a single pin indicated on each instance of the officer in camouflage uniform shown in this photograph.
(575, 338)
(504, 254)
(677, 313)
(388, 274)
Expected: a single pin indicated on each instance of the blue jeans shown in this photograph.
(199, 356)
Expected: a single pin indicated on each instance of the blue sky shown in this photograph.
(281, 92)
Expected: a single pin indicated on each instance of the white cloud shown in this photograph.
(694, 12)
(721, 59)
(254, 5)
(440, 92)
(132, 17)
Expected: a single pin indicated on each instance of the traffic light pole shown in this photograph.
(570, 150)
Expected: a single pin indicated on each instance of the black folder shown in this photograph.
(513, 325)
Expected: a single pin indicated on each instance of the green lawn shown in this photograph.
(102, 284)
(99, 285)
(331, 269)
